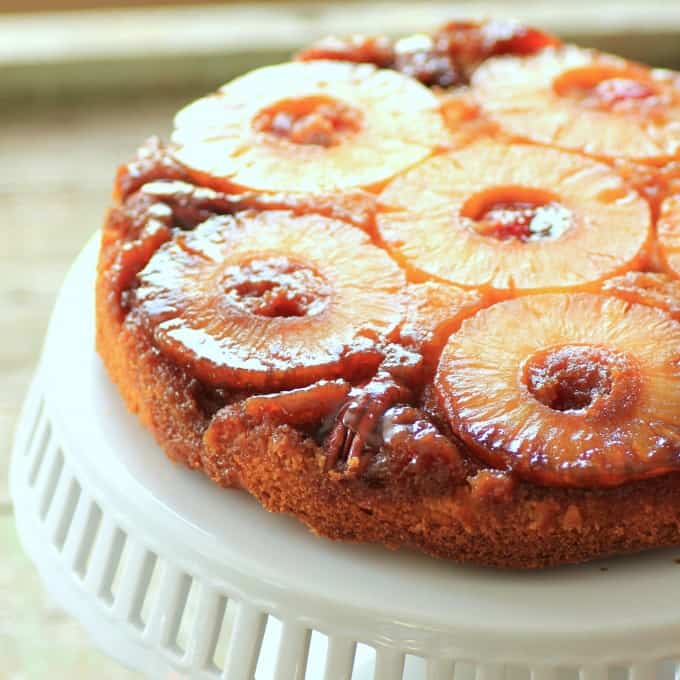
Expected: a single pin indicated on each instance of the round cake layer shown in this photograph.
(378, 298)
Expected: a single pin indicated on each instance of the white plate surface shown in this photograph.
(619, 609)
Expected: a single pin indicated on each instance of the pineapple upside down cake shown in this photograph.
(421, 292)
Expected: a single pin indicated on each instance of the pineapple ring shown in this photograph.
(271, 300)
(584, 100)
(668, 230)
(654, 289)
(434, 310)
(309, 127)
(427, 219)
(567, 389)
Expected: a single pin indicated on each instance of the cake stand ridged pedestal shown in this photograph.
(178, 578)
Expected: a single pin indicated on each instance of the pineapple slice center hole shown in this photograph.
(604, 88)
(316, 120)
(517, 213)
(589, 379)
(276, 286)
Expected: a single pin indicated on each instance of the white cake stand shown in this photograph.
(177, 578)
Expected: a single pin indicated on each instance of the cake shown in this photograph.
(419, 292)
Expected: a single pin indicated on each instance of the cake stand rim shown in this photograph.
(471, 635)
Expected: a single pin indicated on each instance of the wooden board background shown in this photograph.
(64, 55)
(56, 168)
(70, 5)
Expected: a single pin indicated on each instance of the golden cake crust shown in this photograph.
(282, 440)
(486, 518)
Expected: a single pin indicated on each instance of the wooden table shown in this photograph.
(56, 170)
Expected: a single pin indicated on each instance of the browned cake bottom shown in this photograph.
(486, 519)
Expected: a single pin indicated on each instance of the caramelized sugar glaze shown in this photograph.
(420, 292)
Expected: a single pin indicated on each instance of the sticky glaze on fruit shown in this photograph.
(524, 221)
(517, 212)
(654, 289)
(430, 219)
(276, 286)
(669, 234)
(589, 102)
(586, 394)
(444, 59)
(317, 120)
(270, 300)
(588, 378)
(342, 126)
(320, 298)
